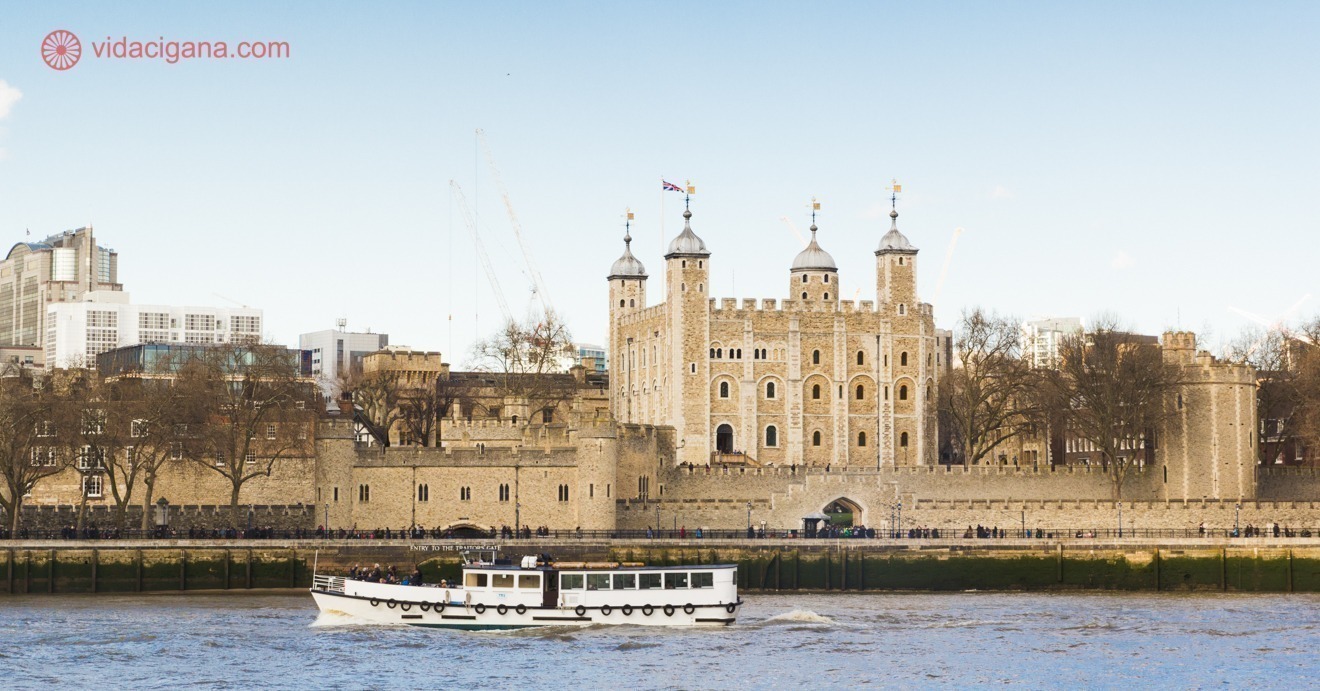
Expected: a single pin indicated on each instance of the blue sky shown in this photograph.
(1158, 161)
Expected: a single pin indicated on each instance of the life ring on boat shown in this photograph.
(405, 606)
(391, 604)
(627, 610)
(606, 610)
(439, 607)
(425, 607)
(580, 610)
(502, 608)
(520, 609)
(647, 610)
(731, 607)
(375, 602)
(689, 608)
(669, 610)
(481, 609)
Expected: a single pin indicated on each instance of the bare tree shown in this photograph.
(29, 451)
(248, 408)
(1279, 410)
(378, 395)
(527, 361)
(986, 398)
(1113, 387)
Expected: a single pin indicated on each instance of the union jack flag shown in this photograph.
(670, 187)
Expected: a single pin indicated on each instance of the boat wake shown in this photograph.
(334, 617)
(797, 616)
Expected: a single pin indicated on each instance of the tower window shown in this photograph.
(902, 393)
(903, 440)
(861, 358)
(772, 436)
(804, 296)
(724, 389)
(815, 357)
(861, 438)
(861, 392)
(700, 264)
(684, 263)
(621, 303)
(827, 296)
(804, 278)
(900, 261)
(719, 352)
(902, 309)
(815, 438)
(902, 359)
(815, 392)
(632, 303)
(827, 278)
(770, 390)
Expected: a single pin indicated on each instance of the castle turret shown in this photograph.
(896, 270)
(814, 276)
(687, 274)
(627, 295)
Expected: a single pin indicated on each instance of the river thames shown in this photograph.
(841, 640)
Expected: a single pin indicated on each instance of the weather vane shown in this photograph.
(687, 198)
(894, 190)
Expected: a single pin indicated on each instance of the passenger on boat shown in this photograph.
(415, 578)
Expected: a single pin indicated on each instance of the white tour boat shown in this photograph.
(497, 594)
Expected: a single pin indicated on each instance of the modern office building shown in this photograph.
(1041, 339)
(77, 332)
(335, 351)
(60, 268)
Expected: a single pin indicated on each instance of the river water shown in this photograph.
(814, 641)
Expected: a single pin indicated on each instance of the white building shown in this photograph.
(1041, 339)
(335, 350)
(76, 332)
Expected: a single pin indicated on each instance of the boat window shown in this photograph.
(530, 580)
(598, 581)
(570, 581)
(501, 580)
(474, 580)
(676, 580)
(703, 579)
(625, 581)
(648, 581)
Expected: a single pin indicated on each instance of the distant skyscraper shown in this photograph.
(60, 268)
(336, 351)
(1041, 339)
(593, 357)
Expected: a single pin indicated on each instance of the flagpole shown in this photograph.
(662, 215)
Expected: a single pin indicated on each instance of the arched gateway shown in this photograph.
(844, 512)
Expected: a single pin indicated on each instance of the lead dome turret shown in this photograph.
(813, 258)
(687, 244)
(627, 266)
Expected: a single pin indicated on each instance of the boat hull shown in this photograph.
(482, 617)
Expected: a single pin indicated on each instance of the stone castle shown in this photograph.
(728, 414)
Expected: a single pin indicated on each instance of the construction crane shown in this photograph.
(481, 250)
(538, 285)
(1278, 325)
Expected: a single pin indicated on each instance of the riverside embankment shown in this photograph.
(1132, 564)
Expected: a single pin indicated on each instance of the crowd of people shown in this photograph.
(387, 575)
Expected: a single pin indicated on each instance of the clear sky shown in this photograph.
(1157, 161)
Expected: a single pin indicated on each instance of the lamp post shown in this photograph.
(327, 519)
(900, 518)
(1120, 519)
(517, 517)
(749, 517)
(1237, 519)
(657, 520)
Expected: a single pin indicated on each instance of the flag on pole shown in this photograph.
(670, 187)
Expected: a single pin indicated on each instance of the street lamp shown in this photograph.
(1237, 519)
(1120, 519)
(900, 518)
(327, 518)
(517, 517)
(749, 517)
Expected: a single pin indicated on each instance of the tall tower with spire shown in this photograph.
(627, 281)
(687, 280)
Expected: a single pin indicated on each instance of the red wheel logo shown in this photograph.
(61, 49)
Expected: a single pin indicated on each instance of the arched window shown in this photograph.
(632, 303)
(804, 296)
(804, 278)
(928, 392)
(724, 389)
(815, 438)
(719, 352)
(861, 392)
(861, 438)
(712, 353)
(815, 392)
(621, 303)
(900, 261)
(902, 440)
(423, 493)
(902, 360)
(763, 355)
(827, 296)
(815, 357)
(902, 309)
(827, 278)
(902, 392)
(861, 358)
(772, 436)
(770, 389)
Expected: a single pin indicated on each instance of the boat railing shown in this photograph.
(333, 584)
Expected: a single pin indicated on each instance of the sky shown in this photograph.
(1154, 161)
